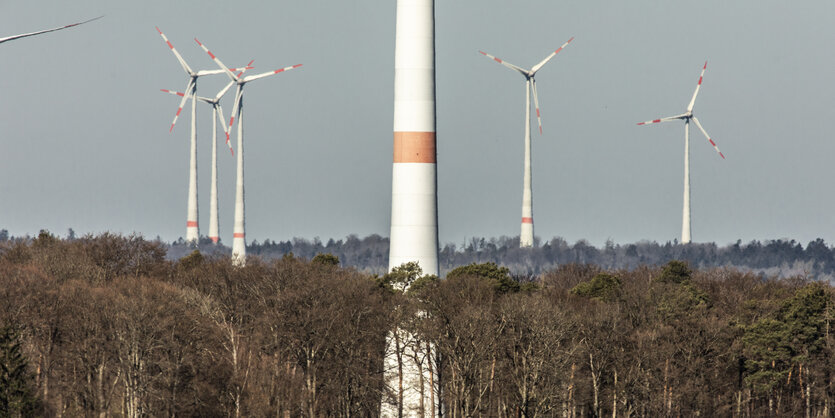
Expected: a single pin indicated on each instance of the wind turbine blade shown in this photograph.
(248, 67)
(223, 125)
(176, 93)
(181, 94)
(536, 104)
(667, 119)
(696, 93)
(708, 137)
(267, 74)
(238, 94)
(548, 58)
(24, 35)
(185, 66)
(213, 72)
(185, 97)
(217, 61)
(232, 83)
(505, 63)
(225, 89)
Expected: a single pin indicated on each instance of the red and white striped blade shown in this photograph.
(267, 74)
(24, 35)
(185, 97)
(699, 125)
(185, 66)
(505, 63)
(667, 119)
(698, 86)
(536, 104)
(248, 67)
(238, 93)
(217, 61)
(223, 125)
(548, 58)
(176, 93)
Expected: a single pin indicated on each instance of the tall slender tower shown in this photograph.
(192, 230)
(414, 200)
(214, 226)
(411, 369)
(526, 235)
(239, 227)
(685, 215)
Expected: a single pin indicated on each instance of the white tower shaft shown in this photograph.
(526, 237)
(414, 216)
(192, 230)
(239, 231)
(685, 217)
(414, 200)
(213, 215)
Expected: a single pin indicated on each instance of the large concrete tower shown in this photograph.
(410, 364)
(414, 201)
(192, 229)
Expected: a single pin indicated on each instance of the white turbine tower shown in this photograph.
(526, 236)
(687, 116)
(239, 235)
(24, 35)
(192, 228)
(409, 364)
(217, 115)
(414, 200)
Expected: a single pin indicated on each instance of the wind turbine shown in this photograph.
(217, 115)
(192, 228)
(526, 236)
(24, 35)
(239, 233)
(687, 116)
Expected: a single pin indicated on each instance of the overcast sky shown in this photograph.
(85, 141)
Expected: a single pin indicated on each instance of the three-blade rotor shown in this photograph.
(530, 74)
(687, 116)
(191, 86)
(215, 102)
(241, 81)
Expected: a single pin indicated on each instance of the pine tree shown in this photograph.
(16, 398)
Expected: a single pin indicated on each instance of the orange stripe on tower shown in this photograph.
(527, 220)
(238, 235)
(414, 147)
(191, 224)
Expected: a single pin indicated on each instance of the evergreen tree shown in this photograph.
(16, 398)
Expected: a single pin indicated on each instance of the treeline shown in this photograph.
(111, 326)
(782, 258)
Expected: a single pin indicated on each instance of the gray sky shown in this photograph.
(86, 142)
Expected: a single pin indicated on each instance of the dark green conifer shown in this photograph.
(16, 397)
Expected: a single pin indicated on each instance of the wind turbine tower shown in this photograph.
(414, 199)
(217, 115)
(239, 232)
(192, 228)
(526, 235)
(687, 117)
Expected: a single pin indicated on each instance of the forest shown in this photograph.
(783, 258)
(113, 325)
(369, 254)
